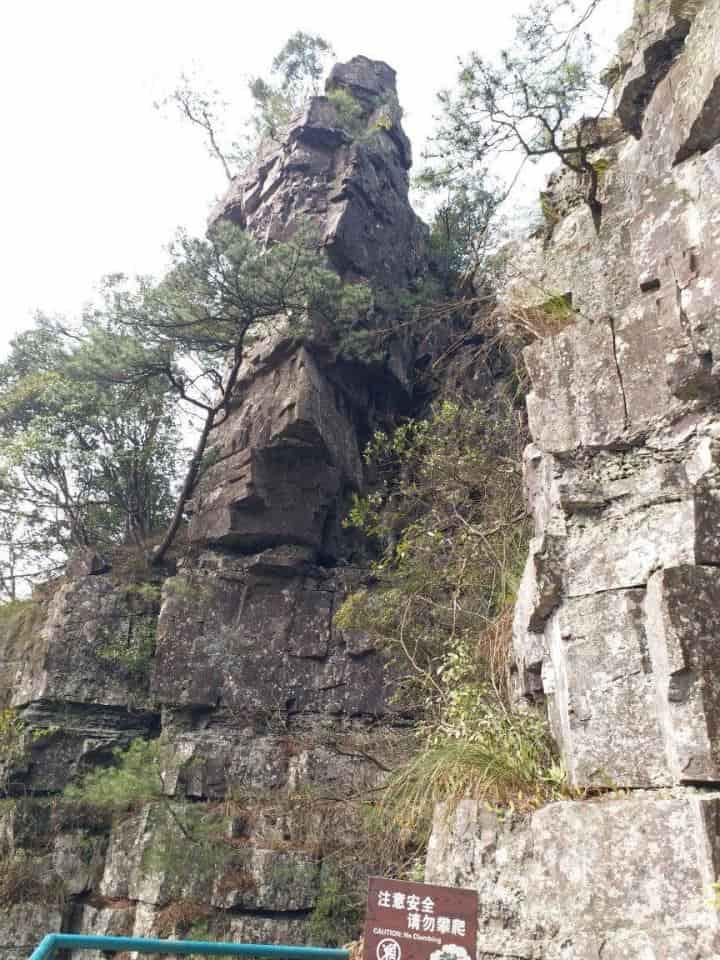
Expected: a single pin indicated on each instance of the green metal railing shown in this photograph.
(78, 941)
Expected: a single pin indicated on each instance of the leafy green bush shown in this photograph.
(448, 522)
(447, 519)
(350, 112)
(135, 779)
(500, 757)
(181, 830)
(337, 913)
(133, 652)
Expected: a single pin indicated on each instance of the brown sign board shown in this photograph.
(419, 921)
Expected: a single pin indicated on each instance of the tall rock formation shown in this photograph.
(617, 621)
(264, 707)
(292, 449)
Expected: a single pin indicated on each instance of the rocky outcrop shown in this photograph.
(623, 470)
(340, 175)
(615, 632)
(625, 878)
(270, 718)
(291, 451)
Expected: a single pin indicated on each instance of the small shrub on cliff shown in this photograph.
(495, 755)
(349, 111)
(338, 910)
(524, 318)
(181, 830)
(136, 778)
(12, 743)
(133, 651)
(447, 516)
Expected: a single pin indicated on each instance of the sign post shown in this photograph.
(419, 921)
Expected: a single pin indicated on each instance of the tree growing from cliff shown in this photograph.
(463, 228)
(205, 110)
(296, 74)
(222, 295)
(528, 103)
(83, 460)
(297, 71)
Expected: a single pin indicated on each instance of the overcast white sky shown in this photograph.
(94, 180)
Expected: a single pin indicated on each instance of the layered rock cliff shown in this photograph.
(268, 715)
(271, 719)
(616, 626)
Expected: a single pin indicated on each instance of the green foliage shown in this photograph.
(446, 516)
(715, 901)
(601, 166)
(12, 743)
(187, 832)
(464, 229)
(21, 617)
(447, 519)
(206, 110)
(337, 914)
(84, 457)
(492, 754)
(296, 73)
(133, 780)
(526, 102)
(222, 293)
(181, 830)
(350, 112)
(148, 592)
(558, 310)
(38, 734)
(549, 213)
(133, 652)
(301, 63)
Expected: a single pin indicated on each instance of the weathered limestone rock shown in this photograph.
(647, 50)
(617, 879)
(283, 461)
(613, 621)
(24, 924)
(683, 615)
(77, 671)
(348, 185)
(616, 625)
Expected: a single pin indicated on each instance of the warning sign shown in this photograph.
(419, 921)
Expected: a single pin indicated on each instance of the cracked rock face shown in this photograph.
(617, 603)
(290, 454)
(265, 707)
(622, 879)
(616, 625)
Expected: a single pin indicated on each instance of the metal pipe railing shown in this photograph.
(78, 941)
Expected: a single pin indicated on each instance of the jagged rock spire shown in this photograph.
(340, 171)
